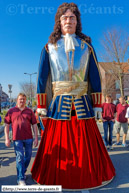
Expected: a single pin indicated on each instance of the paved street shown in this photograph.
(119, 156)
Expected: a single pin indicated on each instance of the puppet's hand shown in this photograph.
(42, 112)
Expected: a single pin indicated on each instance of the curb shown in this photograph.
(1, 129)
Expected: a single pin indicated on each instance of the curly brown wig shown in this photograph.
(56, 35)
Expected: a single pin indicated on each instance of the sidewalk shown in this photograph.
(119, 156)
(1, 129)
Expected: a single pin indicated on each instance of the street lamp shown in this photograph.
(0, 96)
(10, 91)
(30, 84)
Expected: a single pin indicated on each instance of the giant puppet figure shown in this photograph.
(71, 152)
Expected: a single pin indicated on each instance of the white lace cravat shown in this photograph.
(70, 42)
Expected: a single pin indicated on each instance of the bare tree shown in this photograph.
(115, 44)
(108, 84)
(29, 90)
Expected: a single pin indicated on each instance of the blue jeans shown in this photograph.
(106, 125)
(23, 151)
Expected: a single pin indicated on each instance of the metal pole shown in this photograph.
(10, 91)
(10, 98)
(30, 91)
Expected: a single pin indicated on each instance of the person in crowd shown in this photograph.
(117, 101)
(38, 122)
(0, 119)
(127, 101)
(121, 121)
(127, 115)
(71, 151)
(108, 117)
(29, 104)
(21, 118)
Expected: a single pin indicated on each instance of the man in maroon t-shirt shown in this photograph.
(21, 118)
(108, 111)
(121, 121)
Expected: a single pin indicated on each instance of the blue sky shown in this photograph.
(25, 26)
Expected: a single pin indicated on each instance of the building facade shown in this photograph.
(111, 73)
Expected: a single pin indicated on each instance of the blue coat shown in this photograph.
(61, 107)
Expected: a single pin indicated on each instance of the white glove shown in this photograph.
(42, 111)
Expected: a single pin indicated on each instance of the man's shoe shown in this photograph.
(117, 143)
(110, 147)
(124, 145)
(21, 183)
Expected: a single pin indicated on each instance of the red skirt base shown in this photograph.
(72, 154)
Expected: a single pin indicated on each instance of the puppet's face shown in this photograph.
(68, 22)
